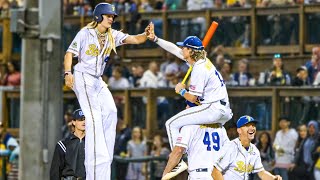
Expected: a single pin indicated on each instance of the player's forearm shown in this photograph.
(170, 47)
(216, 174)
(190, 97)
(136, 39)
(174, 159)
(265, 175)
(67, 61)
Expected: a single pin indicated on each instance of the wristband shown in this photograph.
(182, 92)
(155, 39)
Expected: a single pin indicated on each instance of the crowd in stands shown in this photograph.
(293, 152)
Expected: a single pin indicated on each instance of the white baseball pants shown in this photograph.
(204, 114)
(100, 111)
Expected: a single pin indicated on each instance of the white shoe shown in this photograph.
(182, 166)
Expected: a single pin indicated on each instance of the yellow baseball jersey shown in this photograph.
(236, 163)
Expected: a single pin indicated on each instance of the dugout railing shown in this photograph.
(175, 24)
(267, 102)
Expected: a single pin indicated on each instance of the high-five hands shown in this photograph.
(150, 32)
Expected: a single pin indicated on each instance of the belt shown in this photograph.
(202, 170)
(72, 178)
(222, 103)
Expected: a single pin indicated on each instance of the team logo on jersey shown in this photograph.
(179, 139)
(93, 50)
(74, 45)
(192, 87)
(242, 167)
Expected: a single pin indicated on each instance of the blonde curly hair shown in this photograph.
(198, 54)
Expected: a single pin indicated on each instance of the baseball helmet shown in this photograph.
(192, 42)
(243, 120)
(101, 9)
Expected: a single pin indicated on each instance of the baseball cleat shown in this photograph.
(182, 166)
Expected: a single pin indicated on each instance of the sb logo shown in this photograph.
(92, 51)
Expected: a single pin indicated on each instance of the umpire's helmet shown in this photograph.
(192, 42)
(103, 8)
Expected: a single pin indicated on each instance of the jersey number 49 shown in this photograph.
(214, 139)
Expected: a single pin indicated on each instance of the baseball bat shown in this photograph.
(212, 29)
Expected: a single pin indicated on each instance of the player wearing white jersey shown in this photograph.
(206, 85)
(93, 45)
(239, 157)
(202, 143)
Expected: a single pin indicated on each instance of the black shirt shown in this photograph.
(68, 158)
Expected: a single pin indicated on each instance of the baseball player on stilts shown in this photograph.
(206, 85)
(239, 157)
(93, 45)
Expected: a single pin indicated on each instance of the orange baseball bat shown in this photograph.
(212, 29)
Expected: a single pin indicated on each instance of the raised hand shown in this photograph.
(150, 34)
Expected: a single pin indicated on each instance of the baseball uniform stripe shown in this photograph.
(94, 128)
(187, 114)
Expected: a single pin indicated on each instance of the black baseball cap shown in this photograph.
(78, 114)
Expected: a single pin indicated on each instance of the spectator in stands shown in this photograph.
(277, 76)
(301, 78)
(117, 81)
(68, 158)
(219, 62)
(123, 135)
(169, 58)
(4, 8)
(13, 76)
(137, 72)
(172, 72)
(264, 145)
(113, 63)
(303, 132)
(284, 144)
(226, 73)
(243, 77)
(316, 157)
(158, 149)
(136, 148)
(302, 169)
(313, 65)
(152, 78)
(282, 26)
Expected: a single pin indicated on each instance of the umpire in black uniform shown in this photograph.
(68, 158)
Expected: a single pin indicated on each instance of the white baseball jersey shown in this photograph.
(236, 163)
(86, 46)
(206, 82)
(202, 144)
(96, 101)
(208, 85)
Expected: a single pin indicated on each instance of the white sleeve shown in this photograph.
(225, 157)
(225, 139)
(119, 37)
(170, 47)
(185, 137)
(75, 45)
(257, 164)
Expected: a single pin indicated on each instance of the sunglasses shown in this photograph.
(277, 56)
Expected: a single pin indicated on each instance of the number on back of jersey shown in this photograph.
(212, 141)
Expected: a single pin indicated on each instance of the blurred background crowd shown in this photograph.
(293, 151)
